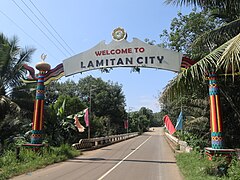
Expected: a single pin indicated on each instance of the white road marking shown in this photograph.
(110, 170)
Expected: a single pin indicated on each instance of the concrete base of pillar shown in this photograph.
(228, 153)
(34, 147)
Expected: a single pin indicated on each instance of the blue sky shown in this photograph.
(84, 23)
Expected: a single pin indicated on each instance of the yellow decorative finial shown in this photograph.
(43, 57)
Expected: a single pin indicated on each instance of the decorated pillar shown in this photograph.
(44, 77)
(37, 126)
(215, 113)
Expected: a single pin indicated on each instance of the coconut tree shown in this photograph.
(223, 43)
(224, 9)
(224, 47)
(12, 58)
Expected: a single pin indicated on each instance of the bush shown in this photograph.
(193, 140)
(234, 170)
(218, 166)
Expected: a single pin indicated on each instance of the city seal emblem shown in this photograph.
(119, 34)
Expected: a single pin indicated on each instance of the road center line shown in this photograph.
(110, 170)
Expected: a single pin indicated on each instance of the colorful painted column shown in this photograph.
(37, 126)
(215, 113)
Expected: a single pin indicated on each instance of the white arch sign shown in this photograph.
(123, 54)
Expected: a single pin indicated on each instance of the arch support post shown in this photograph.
(37, 122)
(38, 114)
(217, 138)
(215, 113)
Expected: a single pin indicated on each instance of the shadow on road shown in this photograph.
(101, 160)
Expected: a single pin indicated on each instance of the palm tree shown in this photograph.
(224, 56)
(224, 9)
(223, 43)
(12, 58)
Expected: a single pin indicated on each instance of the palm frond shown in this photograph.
(185, 2)
(230, 59)
(200, 69)
(7, 103)
(223, 33)
(224, 4)
(12, 58)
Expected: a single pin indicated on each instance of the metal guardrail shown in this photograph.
(102, 141)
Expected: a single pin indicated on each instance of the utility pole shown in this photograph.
(90, 109)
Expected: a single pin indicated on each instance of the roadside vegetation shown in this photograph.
(210, 36)
(29, 160)
(196, 166)
(62, 101)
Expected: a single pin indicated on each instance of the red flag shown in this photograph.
(125, 124)
(86, 117)
(78, 125)
(169, 124)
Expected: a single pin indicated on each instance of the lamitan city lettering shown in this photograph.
(128, 61)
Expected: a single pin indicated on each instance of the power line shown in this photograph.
(39, 28)
(27, 34)
(46, 27)
(52, 27)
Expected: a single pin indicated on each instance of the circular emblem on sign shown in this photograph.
(119, 34)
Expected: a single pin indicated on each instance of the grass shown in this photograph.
(29, 160)
(195, 166)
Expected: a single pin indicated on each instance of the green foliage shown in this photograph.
(107, 100)
(140, 120)
(230, 104)
(185, 29)
(157, 119)
(195, 166)
(29, 160)
(100, 126)
(12, 57)
(58, 128)
(195, 141)
(218, 50)
(106, 109)
(72, 105)
(234, 170)
(13, 127)
(228, 10)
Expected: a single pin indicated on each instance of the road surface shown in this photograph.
(146, 157)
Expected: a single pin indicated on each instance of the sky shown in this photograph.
(82, 24)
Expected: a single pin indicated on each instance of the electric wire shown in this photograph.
(52, 26)
(27, 34)
(46, 28)
(39, 28)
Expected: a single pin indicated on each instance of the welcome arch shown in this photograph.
(118, 53)
(121, 53)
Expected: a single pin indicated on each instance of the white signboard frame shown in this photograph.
(123, 54)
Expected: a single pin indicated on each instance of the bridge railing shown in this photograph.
(102, 141)
(176, 144)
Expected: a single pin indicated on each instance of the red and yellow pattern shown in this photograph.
(215, 113)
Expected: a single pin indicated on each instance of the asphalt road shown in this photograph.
(146, 157)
